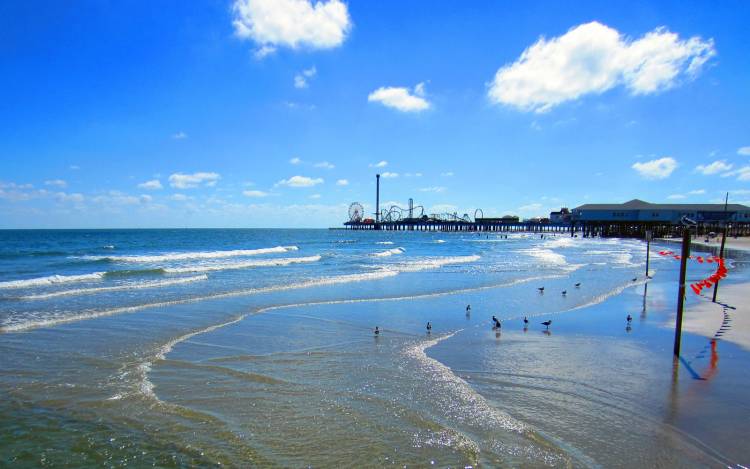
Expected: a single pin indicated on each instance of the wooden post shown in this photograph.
(681, 297)
(723, 241)
(648, 248)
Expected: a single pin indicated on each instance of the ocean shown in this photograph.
(255, 348)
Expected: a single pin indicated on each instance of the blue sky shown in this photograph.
(276, 113)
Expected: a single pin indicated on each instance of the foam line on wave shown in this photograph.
(181, 256)
(129, 286)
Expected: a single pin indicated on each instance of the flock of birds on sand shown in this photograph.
(496, 324)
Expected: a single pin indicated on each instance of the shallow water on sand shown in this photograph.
(255, 347)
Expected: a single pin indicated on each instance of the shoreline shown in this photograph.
(737, 244)
(706, 317)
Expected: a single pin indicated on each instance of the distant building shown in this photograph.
(645, 212)
(563, 216)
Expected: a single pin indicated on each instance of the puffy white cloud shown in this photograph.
(743, 173)
(295, 160)
(388, 174)
(180, 136)
(301, 79)
(342, 182)
(300, 181)
(400, 98)
(380, 164)
(191, 181)
(56, 183)
(291, 23)
(719, 166)
(152, 185)
(594, 58)
(656, 169)
(324, 164)
(146, 199)
(255, 193)
(744, 151)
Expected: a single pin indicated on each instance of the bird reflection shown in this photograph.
(547, 332)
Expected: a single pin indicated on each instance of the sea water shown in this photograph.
(256, 348)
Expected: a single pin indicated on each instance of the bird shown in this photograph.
(429, 327)
(635, 278)
(565, 292)
(377, 331)
(578, 284)
(525, 321)
(547, 323)
(629, 319)
(541, 289)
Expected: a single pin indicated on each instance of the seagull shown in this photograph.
(635, 278)
(578, 284)
(377, 331)
(541, 289)
(429, 327)
(565, 292)
(525, 321)
(629, 318)
(547, 323)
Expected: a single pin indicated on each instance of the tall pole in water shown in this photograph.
(723, 241)
(377, 201)
(681, 297)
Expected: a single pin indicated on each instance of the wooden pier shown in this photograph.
(479, 225)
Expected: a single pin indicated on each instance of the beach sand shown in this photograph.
(706, 317)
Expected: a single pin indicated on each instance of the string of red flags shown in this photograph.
(708, 282)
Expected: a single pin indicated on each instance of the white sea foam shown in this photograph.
(51, 280)
(126, 286)
(433, 263)
(181, 256)
(242, 265)
(389, 252)
(547, 256)
(384, 242)
(439, 241)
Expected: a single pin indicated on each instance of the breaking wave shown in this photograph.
(51, 280)
(181, 256)
(242, 265)
(128, 286)
(389, 252)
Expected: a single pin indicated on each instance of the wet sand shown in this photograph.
(707, 318)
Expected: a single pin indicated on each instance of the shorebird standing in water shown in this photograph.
(565, 292)
(541, 289)
(635, 279)
(525, 321)
(578, 284)
(547, 323)
(629, 319)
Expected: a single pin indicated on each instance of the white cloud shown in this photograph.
(180, 136)
(56, 183)
(676, 197)
(432, 189)
(743, 173)
(300, 181)
(324, 164)
(388, 174)
(291, 23)
(380, 164)
(447, 174)
(255, 193)
(656, 169)
(295, 160)
(146, 199)
(342, 182)
(719, 166)
(153, 184)
(301, 79)
(75, 197)
(594, 58)
(744, 151)
(400, 98)
(190, 181)
(697, 192)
